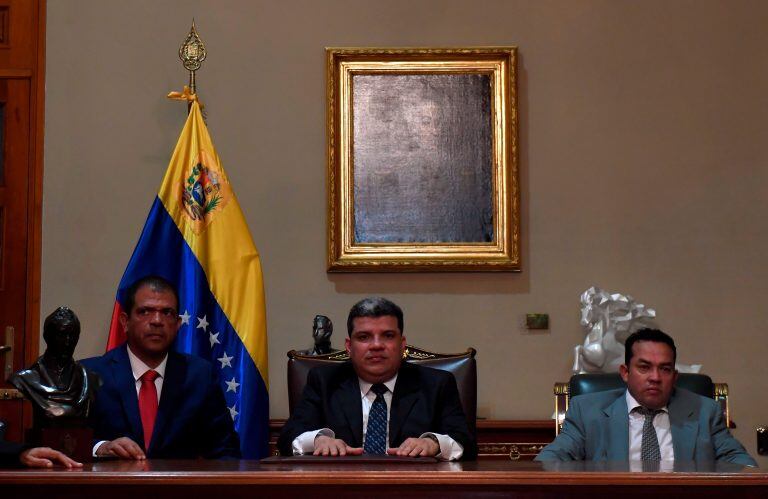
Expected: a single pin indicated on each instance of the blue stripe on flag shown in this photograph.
(162, 251)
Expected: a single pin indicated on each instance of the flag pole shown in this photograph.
(192, 54)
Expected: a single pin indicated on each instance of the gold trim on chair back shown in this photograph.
(721, 396)
(411, 353)
(562, 397)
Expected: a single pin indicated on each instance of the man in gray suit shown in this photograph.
(650, 420)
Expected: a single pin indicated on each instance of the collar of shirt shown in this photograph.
(139, 368)
(365, 387)
(632, 404)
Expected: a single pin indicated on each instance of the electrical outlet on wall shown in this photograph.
(536, 323)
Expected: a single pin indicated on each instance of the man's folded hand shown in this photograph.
(415, 447)
(122, 447)
(327, 446)
(45, 457)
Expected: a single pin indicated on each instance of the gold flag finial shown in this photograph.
(192, 53)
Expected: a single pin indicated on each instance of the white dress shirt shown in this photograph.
(660, 424)
(450, 449)
(139, 368)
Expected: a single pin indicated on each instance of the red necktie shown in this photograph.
(148, 404)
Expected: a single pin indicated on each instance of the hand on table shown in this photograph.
(416, 447)
(327, 446)
(45, 457)
(122, 447)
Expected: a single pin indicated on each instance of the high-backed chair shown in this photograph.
(462, 365)
(599, 382)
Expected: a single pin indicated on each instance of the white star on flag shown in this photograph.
(225, 361)
(202, 323)
(233, 412)
(185, 318)
(232, 385)
(214, 338)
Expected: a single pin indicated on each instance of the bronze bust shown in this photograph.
(60, 389)
(322, 329)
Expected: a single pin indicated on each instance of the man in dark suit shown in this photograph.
(375, 403)
(650, 420)
(155, 402)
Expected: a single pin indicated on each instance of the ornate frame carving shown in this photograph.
(381, 73)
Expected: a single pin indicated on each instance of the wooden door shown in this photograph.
(21, 96)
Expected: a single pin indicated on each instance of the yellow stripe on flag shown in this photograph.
(197, 195)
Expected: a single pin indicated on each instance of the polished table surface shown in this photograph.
(332, 478)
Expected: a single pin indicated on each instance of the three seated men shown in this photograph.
(155, 402)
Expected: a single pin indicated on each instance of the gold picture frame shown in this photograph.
(422, 159)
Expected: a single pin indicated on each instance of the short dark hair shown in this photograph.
(155, 282)
(648, 334)
(374, 306)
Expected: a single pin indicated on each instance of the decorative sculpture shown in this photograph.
(608, 318)
(58, 386)
(61, 389)
(322, 329)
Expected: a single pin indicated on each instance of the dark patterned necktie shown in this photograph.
(376, 432)
(649, 448)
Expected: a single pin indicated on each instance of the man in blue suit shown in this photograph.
(155, 402)
(650, 420)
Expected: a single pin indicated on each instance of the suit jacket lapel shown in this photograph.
(175, 373)
(683, 427)
(352, 407)
(406, 394)
(126, 384)
(618, 430)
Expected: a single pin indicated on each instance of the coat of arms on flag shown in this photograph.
(204, 192)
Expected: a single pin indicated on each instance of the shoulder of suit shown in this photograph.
(599, 398)
(681, 395)
(89, 361)
(93, 362)
(190, 360)
(425, 371)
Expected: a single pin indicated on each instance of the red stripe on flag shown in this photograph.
(116, 332)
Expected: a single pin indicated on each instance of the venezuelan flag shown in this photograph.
(196, 237)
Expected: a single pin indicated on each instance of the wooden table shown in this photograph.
(234, 479)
